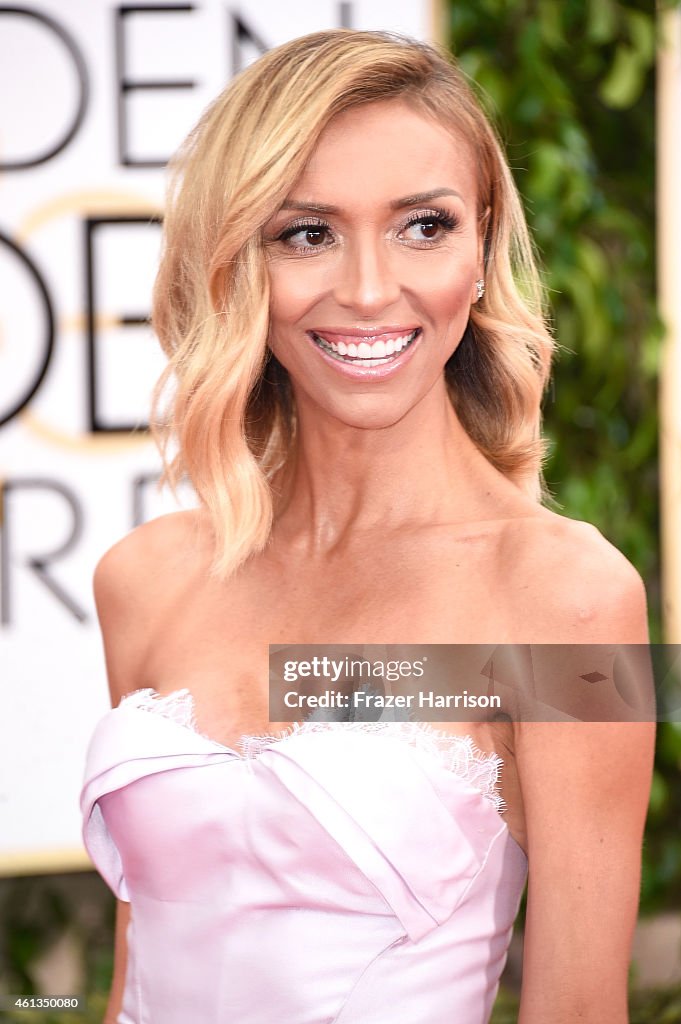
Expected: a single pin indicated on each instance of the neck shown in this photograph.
(344, 481)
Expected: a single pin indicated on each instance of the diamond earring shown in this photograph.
(480, 286)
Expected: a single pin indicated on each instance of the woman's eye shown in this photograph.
(428, 228)
(311, 236)
(306, 236)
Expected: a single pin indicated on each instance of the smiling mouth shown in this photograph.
(367, 352)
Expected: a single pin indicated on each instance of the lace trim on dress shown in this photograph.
(457, 754)
(178, 706)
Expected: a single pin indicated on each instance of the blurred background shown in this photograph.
(571, 86)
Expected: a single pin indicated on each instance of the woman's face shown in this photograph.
(373, 261)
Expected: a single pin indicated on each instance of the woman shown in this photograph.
(354, 326)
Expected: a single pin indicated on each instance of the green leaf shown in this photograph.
(601, 21)
(624, 83)
(642, 35)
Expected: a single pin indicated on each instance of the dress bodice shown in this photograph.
(335, 873)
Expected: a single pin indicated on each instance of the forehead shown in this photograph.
(386, 150)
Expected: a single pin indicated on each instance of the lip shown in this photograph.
(367, 373)
(365, 332)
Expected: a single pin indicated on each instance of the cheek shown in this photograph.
(291, 294)
(444, 291)
(293, 289)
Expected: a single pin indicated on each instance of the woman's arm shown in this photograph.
(125, 599)
(134, 583)
(117, 597)
(585, 789)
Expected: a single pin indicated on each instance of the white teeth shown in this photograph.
(366, 353)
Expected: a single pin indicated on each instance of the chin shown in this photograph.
(371, 419)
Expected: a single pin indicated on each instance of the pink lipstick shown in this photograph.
(366, 353)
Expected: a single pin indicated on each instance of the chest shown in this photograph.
(432, 589)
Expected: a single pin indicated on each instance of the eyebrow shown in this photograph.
(395, 204)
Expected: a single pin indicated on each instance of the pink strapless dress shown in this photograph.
(339, 873)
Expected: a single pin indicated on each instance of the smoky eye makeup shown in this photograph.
(437, 221)
(434, 223)
(306, 224)
(314, 229)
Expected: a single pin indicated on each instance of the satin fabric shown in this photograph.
(338, 876)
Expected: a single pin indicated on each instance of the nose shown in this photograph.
(367, 283)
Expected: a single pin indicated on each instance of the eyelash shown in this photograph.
(446, 221)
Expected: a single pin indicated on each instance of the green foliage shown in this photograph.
(571, 87)
(36, 912)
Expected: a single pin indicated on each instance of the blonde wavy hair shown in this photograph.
(232, 413)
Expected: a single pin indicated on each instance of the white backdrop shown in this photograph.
(94, 98)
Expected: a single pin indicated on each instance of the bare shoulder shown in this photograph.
(136, 580)
(586, 590)
(152, 551)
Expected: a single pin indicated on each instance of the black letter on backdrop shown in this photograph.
(345, 14)
(48, 340)
(81, 71)
(139, 486)
(95, 426)
(241, 35)
(38, 564)
(125, 85)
